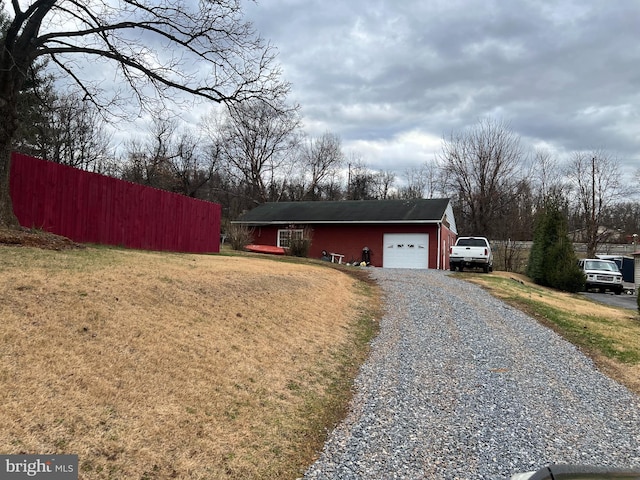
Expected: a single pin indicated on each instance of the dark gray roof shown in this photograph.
(348, 211)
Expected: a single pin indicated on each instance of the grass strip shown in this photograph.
(576, 330)
(324, 412)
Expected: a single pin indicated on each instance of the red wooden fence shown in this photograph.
(91, 208)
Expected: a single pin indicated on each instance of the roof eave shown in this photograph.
(334, 222)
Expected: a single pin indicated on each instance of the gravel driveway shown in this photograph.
(462, 386)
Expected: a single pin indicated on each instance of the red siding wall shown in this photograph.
(91, 208)
(349, 240)
(447, 239)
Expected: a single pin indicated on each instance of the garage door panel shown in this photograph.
(406, 250)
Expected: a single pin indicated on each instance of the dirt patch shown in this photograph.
(35, 238)
(629, 375)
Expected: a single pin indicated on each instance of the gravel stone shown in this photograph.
(460, 385)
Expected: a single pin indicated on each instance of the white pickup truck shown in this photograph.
(471, 252)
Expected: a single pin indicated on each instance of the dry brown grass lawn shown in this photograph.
(155, 365)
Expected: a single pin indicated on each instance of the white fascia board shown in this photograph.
(363, 222)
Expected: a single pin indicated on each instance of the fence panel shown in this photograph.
(91, 208)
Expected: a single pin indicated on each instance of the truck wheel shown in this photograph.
(460, 267)
(485, 268)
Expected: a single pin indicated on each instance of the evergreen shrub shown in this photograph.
(552, 260)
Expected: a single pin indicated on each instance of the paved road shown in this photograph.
(622, 301)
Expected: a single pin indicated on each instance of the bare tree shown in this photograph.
(422, 181)
(548, 176)
(321, 159)
(333, 187)
(193, 167)
(625, 218)
(148, 161)
(360, 180)
(383, 184)
(170, 160)
(158, 47)
(258, 144)
(635, 187)
(69, 131)
(597, 186)
(363, 183)
(431, 174)
(481, 171)
(416, 183)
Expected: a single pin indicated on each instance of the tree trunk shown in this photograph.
(7, 217)
(12, 77)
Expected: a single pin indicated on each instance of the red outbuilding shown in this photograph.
(384, 233)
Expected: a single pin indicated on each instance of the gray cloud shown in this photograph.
(562, 73)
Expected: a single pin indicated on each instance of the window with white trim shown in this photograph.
(285, 236)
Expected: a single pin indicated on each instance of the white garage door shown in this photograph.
(406, 250)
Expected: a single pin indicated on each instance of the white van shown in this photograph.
(601, 275)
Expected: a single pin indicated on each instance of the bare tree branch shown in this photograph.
(482, 171)
(596, 182)
(160, 48)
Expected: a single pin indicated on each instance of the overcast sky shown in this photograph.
(392, 77)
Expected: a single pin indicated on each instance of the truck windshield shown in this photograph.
(471, 242)
(601, 265)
